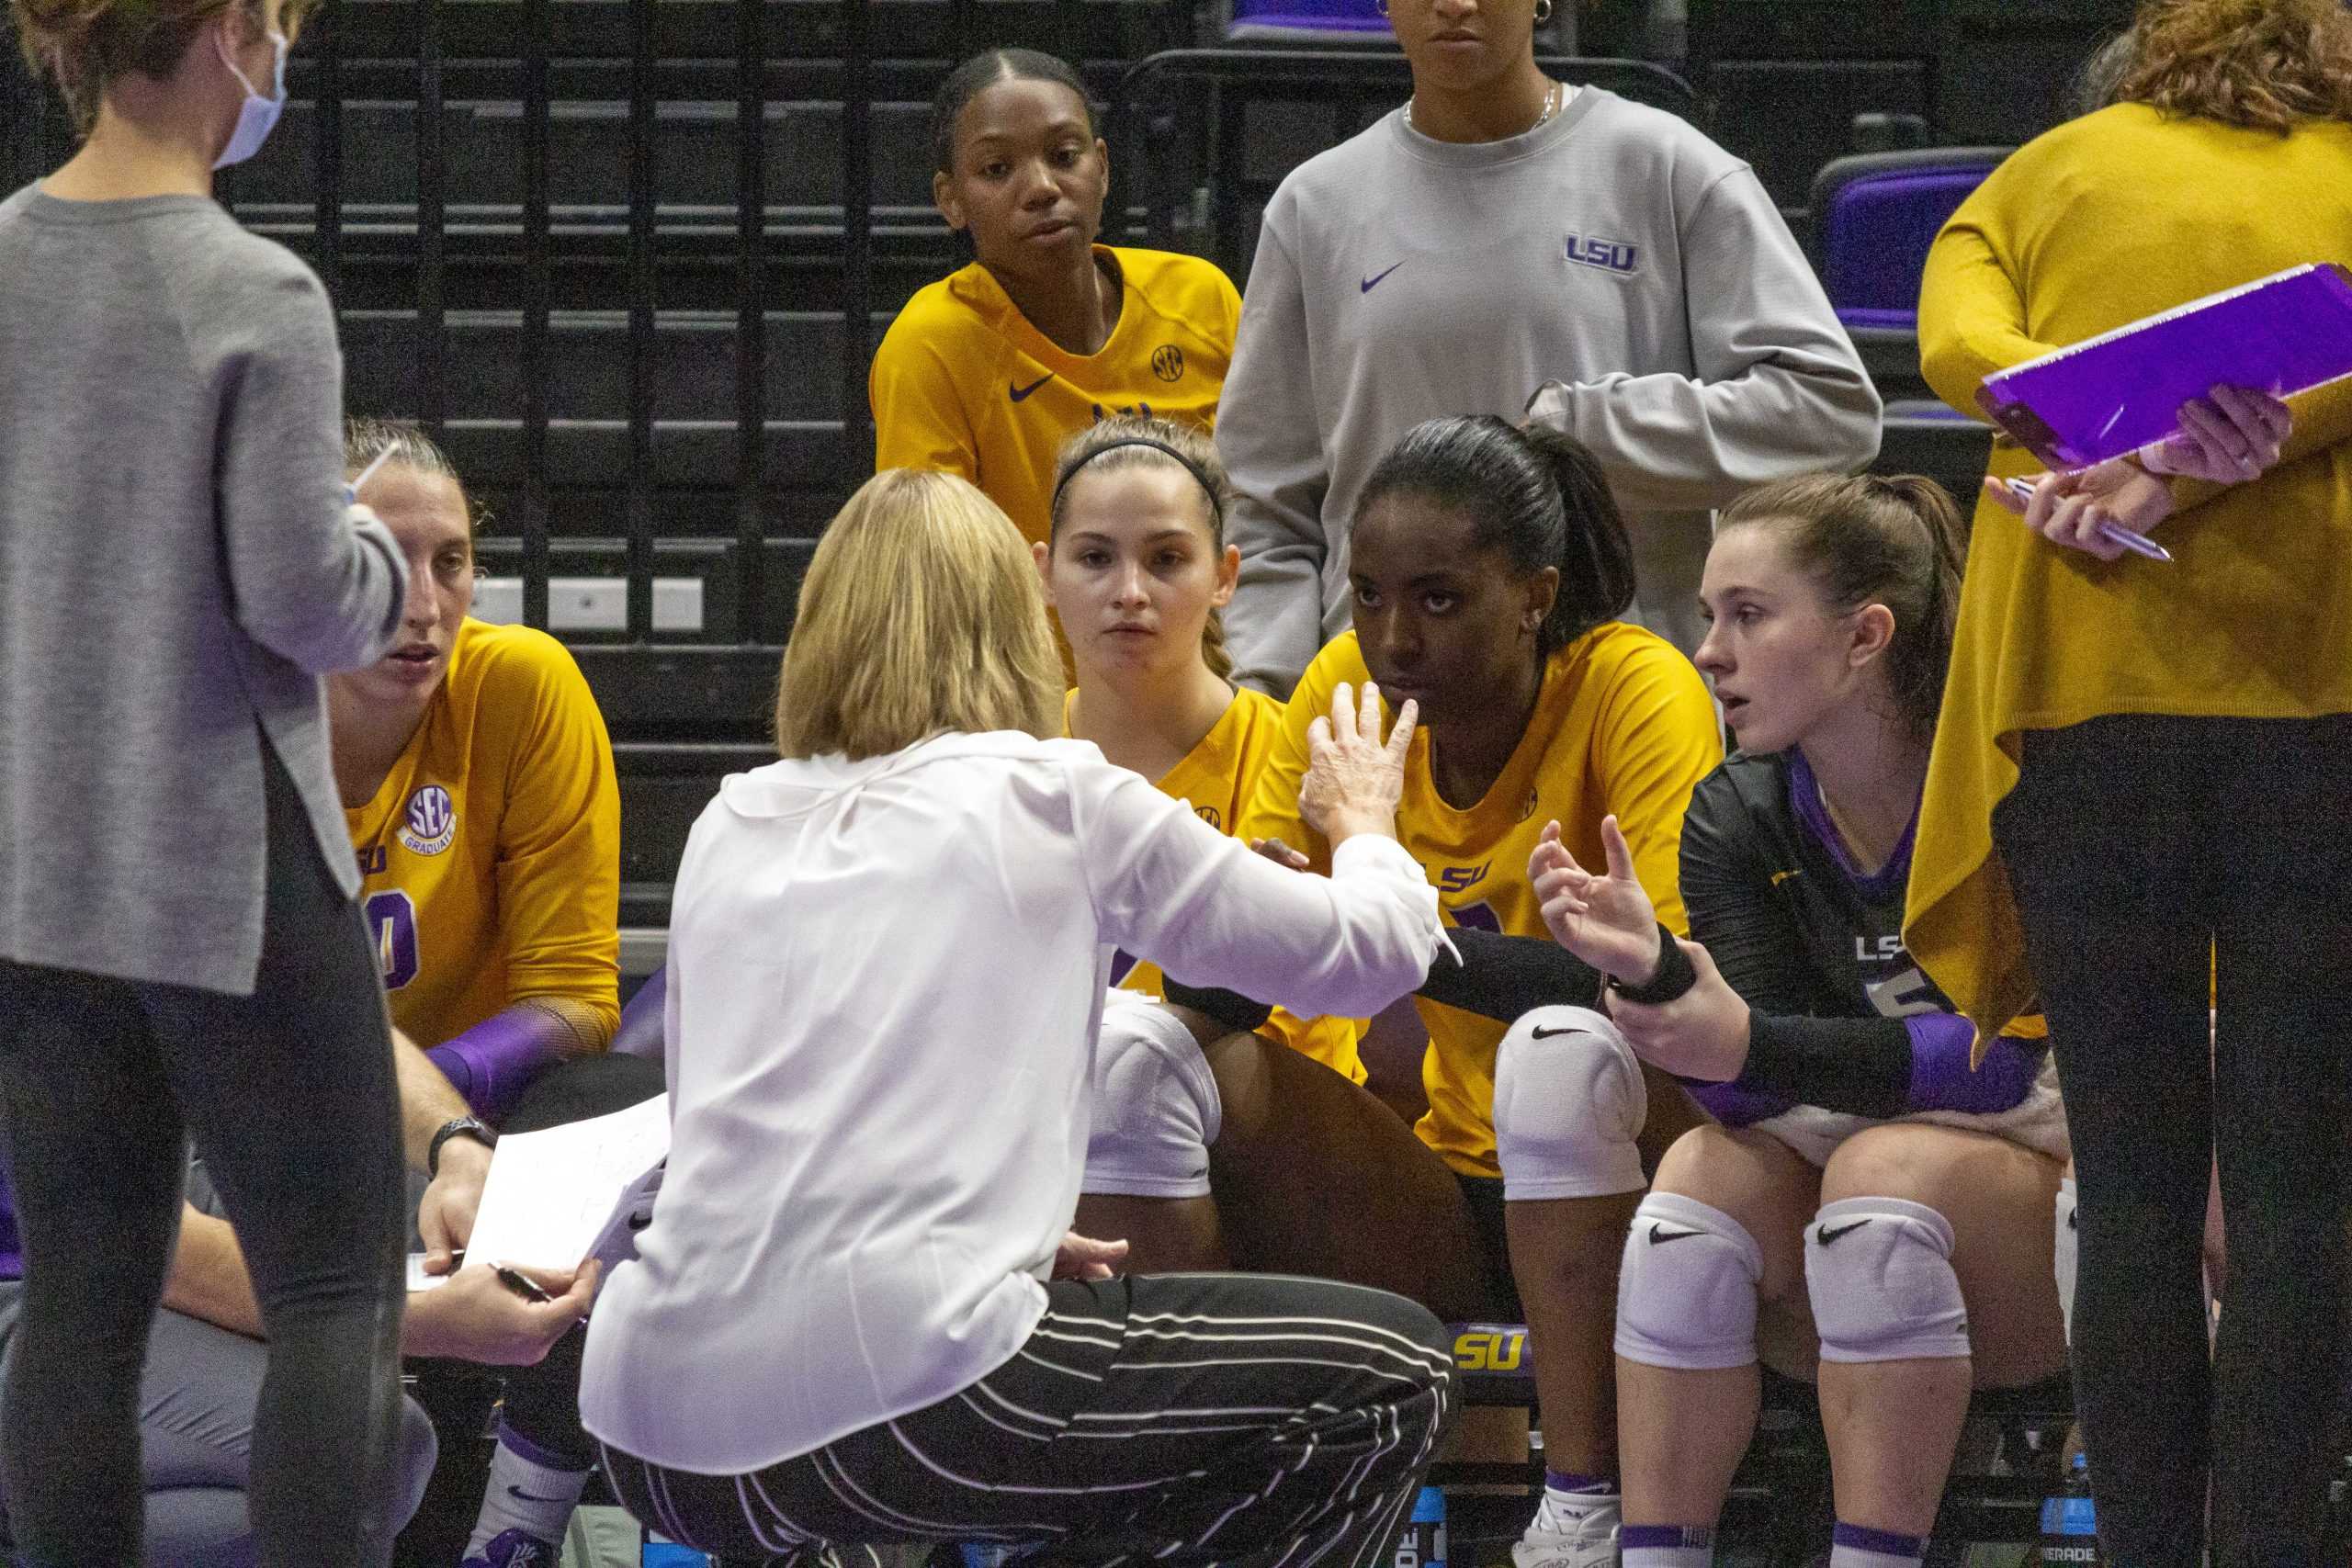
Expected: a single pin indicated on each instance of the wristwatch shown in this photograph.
(472, 1127)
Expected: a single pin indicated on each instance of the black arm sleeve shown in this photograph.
(1861, 1065)
(1498, 977)
(1502, 976)
(1230, 1009)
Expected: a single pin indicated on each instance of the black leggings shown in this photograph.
(2140, 850)
(289, 1094)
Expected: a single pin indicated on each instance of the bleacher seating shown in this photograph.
(1874, 214)
(1305, 21)
(413, 200)
(633, 291)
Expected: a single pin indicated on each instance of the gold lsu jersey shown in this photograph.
(963, 383)
(490, 856)
(1623, 723)
(1214, 779)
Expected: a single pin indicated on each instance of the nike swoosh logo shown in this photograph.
(1020, 392)
(1780, 876)
(1827, 1236)
(1376, 276)
(1659, 1237)
(522, 1497)
(1543, 1033)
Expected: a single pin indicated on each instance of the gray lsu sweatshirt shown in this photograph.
(1612, 272)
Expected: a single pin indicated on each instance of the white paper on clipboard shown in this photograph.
(551, 1194)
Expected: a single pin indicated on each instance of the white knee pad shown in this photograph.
(1879, 1272)
(1686, 1297)
(1155, 1106)
(2065, 1254)
(1569, 1104)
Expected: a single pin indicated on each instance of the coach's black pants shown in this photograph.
(1179, 1418)
(289, 1097)
(2135, 846)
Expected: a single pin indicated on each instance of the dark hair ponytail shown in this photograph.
(985, 69)
(1537, 495)
(1892, 539)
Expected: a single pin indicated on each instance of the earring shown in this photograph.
(1542, 11)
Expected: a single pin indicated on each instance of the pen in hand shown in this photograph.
(520, 1283)
(2112, 532)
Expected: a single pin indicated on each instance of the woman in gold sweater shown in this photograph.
(2140, 771)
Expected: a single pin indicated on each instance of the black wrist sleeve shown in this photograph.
(1502, 976)
(1676, 973)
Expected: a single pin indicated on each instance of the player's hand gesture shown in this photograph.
(1607, 920)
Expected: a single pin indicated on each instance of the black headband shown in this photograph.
(1217, 507)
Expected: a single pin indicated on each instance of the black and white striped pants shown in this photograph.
(1187, 1419)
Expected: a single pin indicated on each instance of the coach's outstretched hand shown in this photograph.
(1353, 779)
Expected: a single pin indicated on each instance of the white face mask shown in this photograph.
(259, 115)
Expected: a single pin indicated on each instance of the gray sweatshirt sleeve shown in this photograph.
(1778, 392)
(312, 584)
(1272, 441)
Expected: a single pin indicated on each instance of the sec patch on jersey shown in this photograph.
(430, 821)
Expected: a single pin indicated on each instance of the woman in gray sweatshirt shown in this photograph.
(1508, 244)
(179, 952)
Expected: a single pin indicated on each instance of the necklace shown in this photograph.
(1552, 102)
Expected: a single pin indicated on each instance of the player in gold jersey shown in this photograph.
(478, 784)
(1489, 566)
(988, 371)
(1136, 568)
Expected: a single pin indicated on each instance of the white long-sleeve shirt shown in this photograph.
(885, 982)
(1612, 259)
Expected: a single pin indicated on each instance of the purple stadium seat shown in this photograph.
(1307, 21)
(1874, 215)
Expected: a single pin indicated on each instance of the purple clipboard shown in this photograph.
(2116, 392)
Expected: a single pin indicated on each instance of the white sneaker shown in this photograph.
(1592, 1544)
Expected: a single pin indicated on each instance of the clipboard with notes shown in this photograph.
(2116, 392)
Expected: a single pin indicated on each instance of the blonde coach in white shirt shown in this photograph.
(857, 1315)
